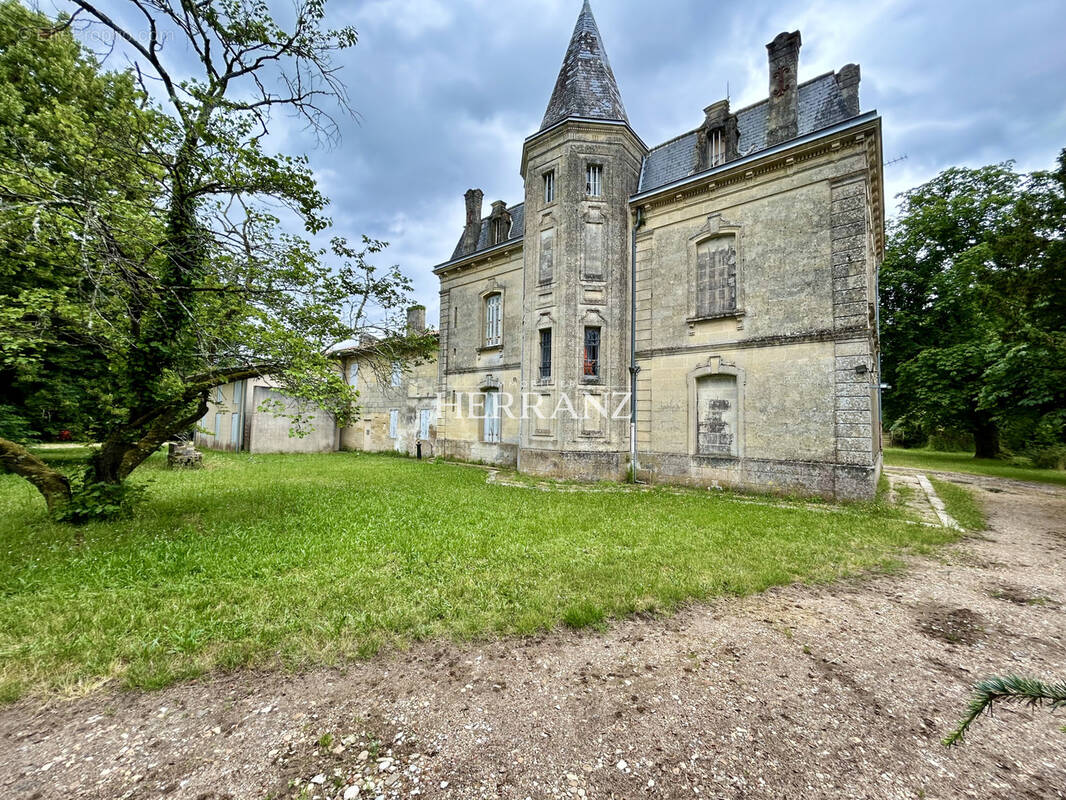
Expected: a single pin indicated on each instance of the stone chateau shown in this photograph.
(732, 268)
(728, 276)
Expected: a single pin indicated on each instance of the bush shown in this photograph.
(91, 502)
(905, 434)
(13, 425)
(945, 440)
(1053, 457)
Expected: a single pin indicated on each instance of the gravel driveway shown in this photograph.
(840, 691)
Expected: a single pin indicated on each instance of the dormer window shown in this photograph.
(500, 230)
(715, 148)
(549, 186)
(594, 180)
(499, 223)
(718, 138)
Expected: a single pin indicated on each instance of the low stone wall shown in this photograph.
(578, 465)
(833, 481)
(498, 454)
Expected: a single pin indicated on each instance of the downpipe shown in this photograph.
(638, 223)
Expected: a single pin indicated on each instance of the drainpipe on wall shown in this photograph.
(638, 222)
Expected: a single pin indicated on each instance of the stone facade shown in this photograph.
(742, 259)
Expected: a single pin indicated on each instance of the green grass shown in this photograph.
(961, 504)
(965, 462)
(299, 560)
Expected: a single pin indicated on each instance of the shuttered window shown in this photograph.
(492, 416)
(493, 320)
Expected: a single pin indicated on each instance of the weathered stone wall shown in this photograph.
(271, 433)
(771, 384)
(801, 343)
(588, 285)
(467, 367)
(416, 393)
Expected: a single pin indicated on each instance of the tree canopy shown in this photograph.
(973, 305)
(144, 255)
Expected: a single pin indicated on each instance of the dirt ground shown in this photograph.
(841, 691)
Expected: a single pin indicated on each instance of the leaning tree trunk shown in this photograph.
(52, 484)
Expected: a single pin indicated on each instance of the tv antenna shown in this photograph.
(895, 160)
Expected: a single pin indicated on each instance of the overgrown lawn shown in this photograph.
(297, 560)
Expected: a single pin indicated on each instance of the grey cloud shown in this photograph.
(447, 91)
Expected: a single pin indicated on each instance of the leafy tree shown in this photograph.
(972, 307)
(155, 250)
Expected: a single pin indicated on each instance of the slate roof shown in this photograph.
(586, 87)
(820, 105)
(517, 232)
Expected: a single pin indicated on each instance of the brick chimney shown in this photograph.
(473, 220)
(781, 124)
(416, 319)
(848, 83)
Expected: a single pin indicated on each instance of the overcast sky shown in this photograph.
(447, 91)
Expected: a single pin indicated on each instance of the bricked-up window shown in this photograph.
(545, 353)
(547, 258)
(491, 427)
(716, 415)
(549, 186)
(592, 352)
(493, 319)
(594, 180)
(716, 277)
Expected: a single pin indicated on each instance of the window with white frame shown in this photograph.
(397, 373)
(549, 186)
(491, 430)
(425, 416)
(594, 180)
(493, 319)
(394, 422)
(353, 374)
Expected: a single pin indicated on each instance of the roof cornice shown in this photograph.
(471, 259)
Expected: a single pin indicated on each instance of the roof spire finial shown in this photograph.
(585, 88)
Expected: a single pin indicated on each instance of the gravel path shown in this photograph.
(840, 691)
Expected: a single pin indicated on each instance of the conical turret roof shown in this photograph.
(586, 87)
